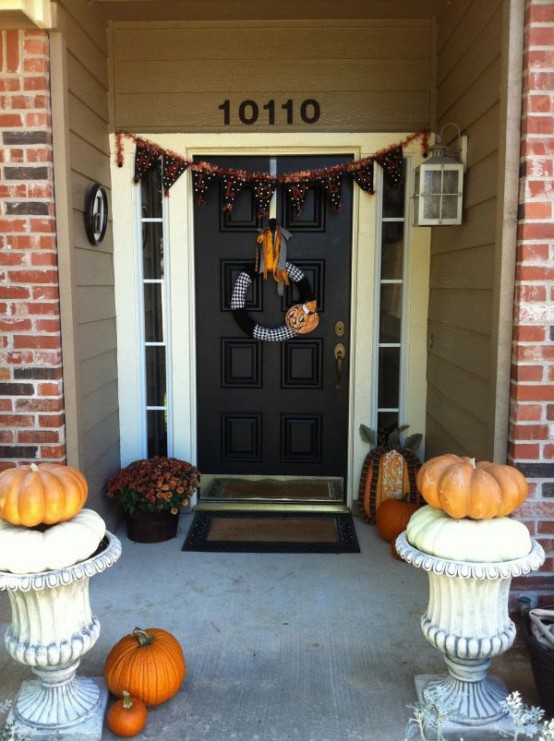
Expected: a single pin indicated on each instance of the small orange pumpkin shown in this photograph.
(127, 716)
(41, 493)
(147, 663)
(463, 488)
(302, 318)
(392, 518)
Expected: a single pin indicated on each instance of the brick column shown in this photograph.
(532, 392)
(31, 400)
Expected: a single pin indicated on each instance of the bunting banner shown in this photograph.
(298, 191)
(145, 159)
(173, 168)
(297, 184)
(232, 185)
(333, 186)
(200, 183)
(263, 193)
(391, 161)
(364, 177)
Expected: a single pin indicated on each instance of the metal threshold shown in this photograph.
(271, 507)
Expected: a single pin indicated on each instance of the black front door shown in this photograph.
(273, 408)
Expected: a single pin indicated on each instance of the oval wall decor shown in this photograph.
(96, 213)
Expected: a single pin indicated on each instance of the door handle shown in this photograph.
(339, 352)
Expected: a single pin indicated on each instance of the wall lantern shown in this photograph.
(439, 184)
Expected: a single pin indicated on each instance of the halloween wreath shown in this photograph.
(299, 319)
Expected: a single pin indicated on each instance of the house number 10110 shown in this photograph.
(248, 112)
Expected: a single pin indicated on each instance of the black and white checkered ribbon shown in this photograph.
(238, 301)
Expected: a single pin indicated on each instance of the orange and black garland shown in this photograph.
(147, 155)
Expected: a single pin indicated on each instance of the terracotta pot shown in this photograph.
(152, 527)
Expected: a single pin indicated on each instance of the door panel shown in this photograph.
(272, 408)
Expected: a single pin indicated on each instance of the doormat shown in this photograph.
(297, 489)
(272, 532)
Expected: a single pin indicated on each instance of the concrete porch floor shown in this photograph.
(280, 647)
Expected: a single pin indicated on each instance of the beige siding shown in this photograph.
(88, 307)
(462, 372)
(366, 75)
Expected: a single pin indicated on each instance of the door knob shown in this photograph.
(339, 352)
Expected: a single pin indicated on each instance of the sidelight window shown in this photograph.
(154, 329)
(390, 298)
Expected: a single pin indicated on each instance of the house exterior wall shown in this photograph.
(32, 424)
(366, 75)
(465, 283)
(531, 446)
(81, 127)
(494, 273)
(57, 303)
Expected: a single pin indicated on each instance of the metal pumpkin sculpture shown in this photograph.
(302, 318)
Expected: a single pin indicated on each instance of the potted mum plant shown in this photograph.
(151, 492)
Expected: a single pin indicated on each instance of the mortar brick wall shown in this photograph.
(31, 392)
(531, 443)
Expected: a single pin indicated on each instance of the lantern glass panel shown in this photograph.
(432, 181)
(449, 207)
(450, 181)
(431, 207)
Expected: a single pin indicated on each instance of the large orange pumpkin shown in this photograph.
(147, 663)
(392, 518)
(463, 488)
(41, 493)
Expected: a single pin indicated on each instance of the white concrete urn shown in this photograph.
(52, 628)
(467, 613)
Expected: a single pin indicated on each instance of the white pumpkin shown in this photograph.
(24, 550)
(432, 531)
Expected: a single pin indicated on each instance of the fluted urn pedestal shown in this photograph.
(467, 620)
(52, 628)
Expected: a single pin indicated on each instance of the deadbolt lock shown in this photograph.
(340, 329)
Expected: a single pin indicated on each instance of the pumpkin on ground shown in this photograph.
(392, 518)
(498, 539)
(147, 663)
(127, 716)
(463, 488)
(389, 469)
(26, 550)
(394, 551)
(41, 494)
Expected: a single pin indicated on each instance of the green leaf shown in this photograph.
(368, 435)
(394, 438)
(413, 441)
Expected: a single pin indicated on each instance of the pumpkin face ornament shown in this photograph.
(302, 318)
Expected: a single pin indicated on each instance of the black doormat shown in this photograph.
(272, 532)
